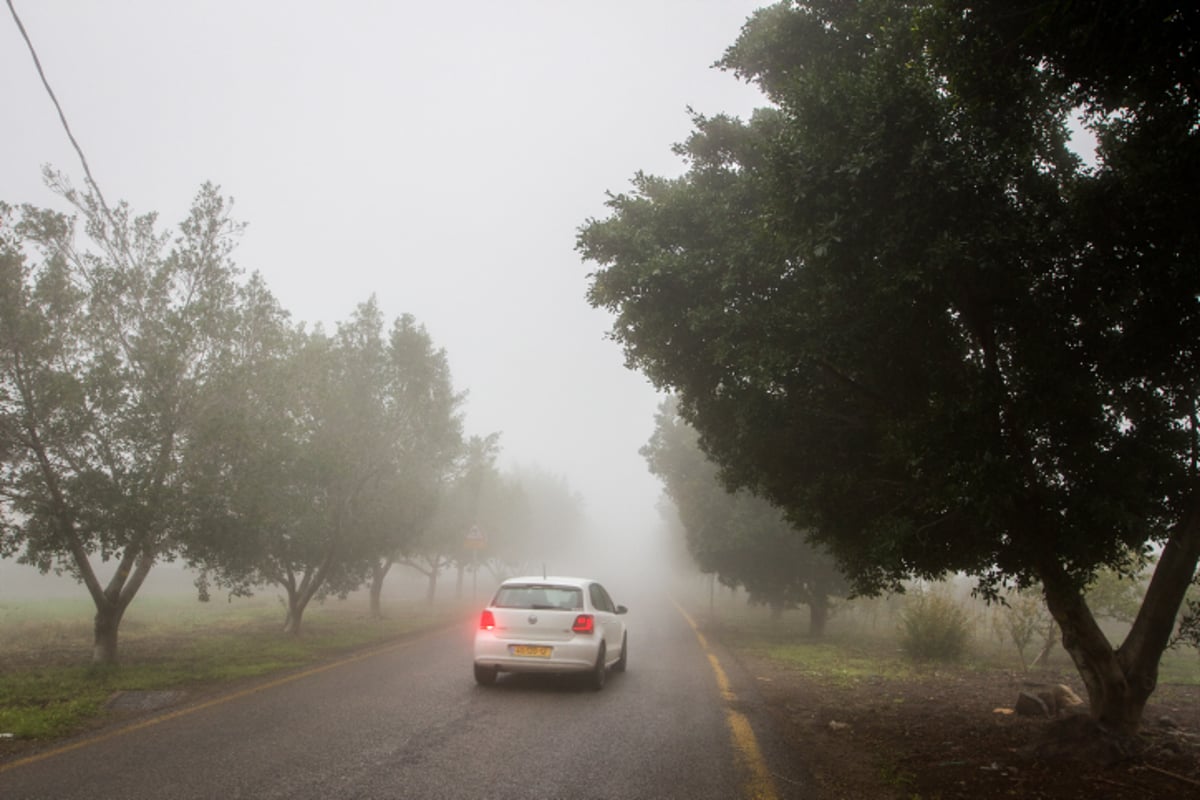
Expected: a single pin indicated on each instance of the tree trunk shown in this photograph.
(1115, 701)
(458, 583)
(300, 594)
(379, 571)
(295, 614)
(106, 625)
(431, 589)
(112, 602)
(1120, 681)
(776, 611)
(818, 615)
(297, 601)
(376, 611)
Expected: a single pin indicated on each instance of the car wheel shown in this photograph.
(598, 674)
(624, 659)
(485, 676)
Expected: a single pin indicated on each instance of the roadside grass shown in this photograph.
(837, 658)
(49, 690)
(849, 654)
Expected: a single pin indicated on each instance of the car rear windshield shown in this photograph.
(568, 598)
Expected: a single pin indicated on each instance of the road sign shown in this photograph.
(476, 540)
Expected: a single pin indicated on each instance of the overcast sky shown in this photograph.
(439, 155)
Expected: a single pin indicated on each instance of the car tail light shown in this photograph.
(487, 621)
(584, 623)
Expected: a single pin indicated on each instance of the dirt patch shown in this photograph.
(140, 702)
(948, 734)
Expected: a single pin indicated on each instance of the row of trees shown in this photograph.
(897, 303)
(746, 542)
(157, 404)
(736, 536)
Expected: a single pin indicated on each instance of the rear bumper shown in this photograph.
(570, 656)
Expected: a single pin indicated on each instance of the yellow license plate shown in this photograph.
(529, 650)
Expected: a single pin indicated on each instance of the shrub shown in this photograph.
(934, 628)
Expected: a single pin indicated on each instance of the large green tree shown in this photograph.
(107, 342)
(897, 304)
(741, 538)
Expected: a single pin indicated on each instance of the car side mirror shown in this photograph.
(622, 610)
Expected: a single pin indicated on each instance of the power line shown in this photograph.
(83, 159)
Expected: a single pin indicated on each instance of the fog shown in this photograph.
(440, 157)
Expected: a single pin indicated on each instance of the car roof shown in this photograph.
(556, 580)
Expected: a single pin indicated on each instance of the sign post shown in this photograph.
(476, 540)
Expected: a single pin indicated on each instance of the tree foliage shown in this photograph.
(324, 458)
(528, 518)
(458, 508)
(543, 522)
(898, 304)
(427, 424)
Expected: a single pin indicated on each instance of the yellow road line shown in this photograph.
(217, 701)
(759, 784)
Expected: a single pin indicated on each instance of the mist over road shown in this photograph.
(409, 722)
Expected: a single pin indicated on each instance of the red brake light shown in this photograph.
(584, 623)
(487, 621)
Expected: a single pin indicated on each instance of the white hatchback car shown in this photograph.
(551, 625)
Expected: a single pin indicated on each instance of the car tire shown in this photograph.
(623, 661)
(485, 676)
(598, 674)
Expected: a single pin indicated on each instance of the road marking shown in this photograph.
(216, 701)
(759, 784)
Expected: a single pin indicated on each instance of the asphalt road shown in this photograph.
(408, 721)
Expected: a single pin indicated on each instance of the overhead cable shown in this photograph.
(62, 116)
